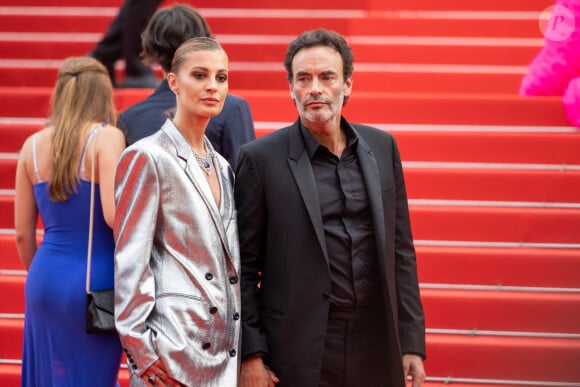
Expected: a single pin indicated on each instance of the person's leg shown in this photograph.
(333, 361)
(109, 49)
(139, 13)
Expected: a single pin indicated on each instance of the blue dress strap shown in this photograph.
(81, 169)
(34, 158)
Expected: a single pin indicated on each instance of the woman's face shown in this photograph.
(201, 83)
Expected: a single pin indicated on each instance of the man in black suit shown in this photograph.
(330, 294)
(167, 29)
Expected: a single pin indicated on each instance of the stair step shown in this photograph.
(12, 287)
(507, 358)
(9, 259)
(493, 147)
(551, 187)
(467, 144)
(379, 49)
(465, 223)
(489, 184)
(500, 266)
(291, 22)
(276, 106)
(527, 225)
(481, 310)
(490, 266)
(494, 5)
(500, 310)
(460, 5)
(511, 358)
(392, 78)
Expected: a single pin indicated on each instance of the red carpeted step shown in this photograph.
(253, 75)
(290, 22)
(461, 5)
(14, 132)
(445, 309)
(276, 106)
(468, 144)
(495, 266)
(550, 360)
(507, 266)
(9, 259)
(447, 223)
(7, 173)
(536, 186)
(511, 358)
(12, 287)
(551, 186)
(11, 330)
(500, 310)
(488, 146)
(10, 375)
(240, 48)
(7, 213)
(497, 224)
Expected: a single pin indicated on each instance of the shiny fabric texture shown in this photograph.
(176, 263)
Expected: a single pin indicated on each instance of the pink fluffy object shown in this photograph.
(558, 62)
(571, 101)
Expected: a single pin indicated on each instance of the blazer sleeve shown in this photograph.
(137, 200)
(238, 129)
(252, 226)
(410, 310)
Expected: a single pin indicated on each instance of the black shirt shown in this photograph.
(347, 220)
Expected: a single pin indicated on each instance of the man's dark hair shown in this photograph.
(323, 38)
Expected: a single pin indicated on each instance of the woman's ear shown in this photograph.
(172, 81)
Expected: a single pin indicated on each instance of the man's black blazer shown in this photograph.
(285, 310)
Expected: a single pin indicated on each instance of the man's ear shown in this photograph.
(348, 87)
(292, 95)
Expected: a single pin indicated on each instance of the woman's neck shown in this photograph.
(193, 130)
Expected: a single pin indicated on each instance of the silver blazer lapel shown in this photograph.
(195, 174)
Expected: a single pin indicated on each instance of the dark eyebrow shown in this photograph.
(207, 70)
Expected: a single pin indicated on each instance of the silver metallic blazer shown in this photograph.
(177, 294)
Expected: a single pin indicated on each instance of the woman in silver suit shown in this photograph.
(177, 295)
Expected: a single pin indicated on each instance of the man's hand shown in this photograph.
(255, 374)
(413, 366)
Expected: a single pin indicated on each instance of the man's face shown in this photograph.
(318, 87)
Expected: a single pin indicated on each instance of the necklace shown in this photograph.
(206, 163)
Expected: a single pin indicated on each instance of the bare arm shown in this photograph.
(110, 145)
(25, 209)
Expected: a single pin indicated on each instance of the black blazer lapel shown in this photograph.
(301, 168)
(370, 172)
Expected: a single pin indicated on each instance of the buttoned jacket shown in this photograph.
(177, 295)
(283, 250)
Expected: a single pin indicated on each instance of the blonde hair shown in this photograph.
(83, 94)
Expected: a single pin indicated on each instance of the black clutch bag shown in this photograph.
(100, 313)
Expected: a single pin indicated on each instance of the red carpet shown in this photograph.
(493, 178)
